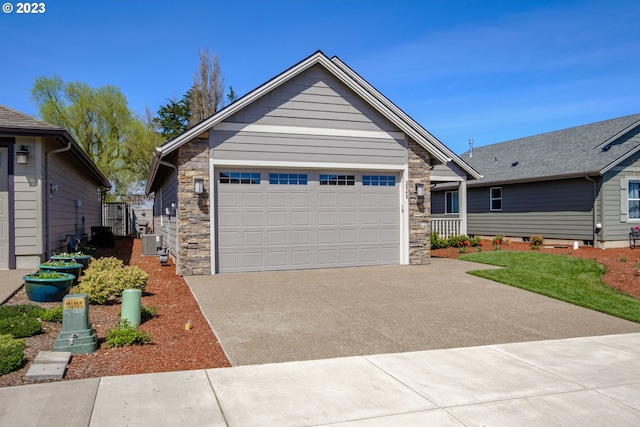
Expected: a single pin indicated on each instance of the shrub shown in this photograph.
(11, 354)
(457, 241)
(536, 241)
(126, 334)
(106, 278)
(147, 313)
(20, 320)
(52, 315)
(438, 242)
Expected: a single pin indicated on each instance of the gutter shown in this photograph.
(46, 194)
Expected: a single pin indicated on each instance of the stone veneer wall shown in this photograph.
(419, 208)
(193, 210)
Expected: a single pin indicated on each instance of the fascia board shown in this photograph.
(432, 143)
(532, 179)
(241, 103)
(366, 91)
(619, 134)
(619, 159)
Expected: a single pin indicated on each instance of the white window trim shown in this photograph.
(491, 199)
(629, 219)
(445, 203)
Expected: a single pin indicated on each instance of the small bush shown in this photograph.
(536, 241)
(106, 278)
(11, 354)
(148, 313)
(126, 334)
(457, 241)
(104, 239)
(52, 315)
(20, 320)
(438, 242)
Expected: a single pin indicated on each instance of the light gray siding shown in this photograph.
(314, 100)
(29, 239)
(166, 226)
(616, 224)
(555, 209)
(74, 186)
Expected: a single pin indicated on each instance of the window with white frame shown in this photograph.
(495, 198)
(451, 202)
(633, 197)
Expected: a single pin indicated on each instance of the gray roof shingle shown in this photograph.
(569, 152)
(12, 119)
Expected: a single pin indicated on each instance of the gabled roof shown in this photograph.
(346, 76)
(590, 149)
(15, 123)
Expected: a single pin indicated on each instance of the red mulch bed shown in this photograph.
(173, 348)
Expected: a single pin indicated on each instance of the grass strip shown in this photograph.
(574, 280)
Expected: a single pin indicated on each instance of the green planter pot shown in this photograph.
(82, 259)
(74, 268)
(43, 289)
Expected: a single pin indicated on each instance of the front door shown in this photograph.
(4, 208)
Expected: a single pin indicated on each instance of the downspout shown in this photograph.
(46, 194)
(595, 213)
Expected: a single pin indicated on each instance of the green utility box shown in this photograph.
(77, 336)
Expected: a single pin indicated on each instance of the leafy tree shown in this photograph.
(206, 96)
(99, 119)
(173, 118)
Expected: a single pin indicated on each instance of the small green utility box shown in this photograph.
(77, 336)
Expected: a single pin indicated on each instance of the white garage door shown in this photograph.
(274, 220)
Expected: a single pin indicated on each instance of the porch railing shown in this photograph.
(446, 227)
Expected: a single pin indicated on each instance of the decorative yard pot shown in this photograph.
(48, 286)
(78, 257)
(70, 267)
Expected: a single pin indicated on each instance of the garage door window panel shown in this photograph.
(337, 179)
(288, 178)
(239, 178)
(378, 181)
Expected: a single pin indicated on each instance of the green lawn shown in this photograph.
(574, 280)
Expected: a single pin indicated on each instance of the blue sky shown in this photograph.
(491, 70)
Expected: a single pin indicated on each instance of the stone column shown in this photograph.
(193, 210)
(419, 207)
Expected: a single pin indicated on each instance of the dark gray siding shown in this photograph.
(556, 209)
(317, 100)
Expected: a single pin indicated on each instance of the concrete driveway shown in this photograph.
(316, 314)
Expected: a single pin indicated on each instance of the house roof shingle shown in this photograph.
(582, 150)
(13, 122)
(12, 119)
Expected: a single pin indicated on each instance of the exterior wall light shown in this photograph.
(198, 186)
(22, 155)
(420, 189)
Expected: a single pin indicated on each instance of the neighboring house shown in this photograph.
(313, 169)
(50, 191)
(578, 184)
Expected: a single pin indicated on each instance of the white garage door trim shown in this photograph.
(401, 172)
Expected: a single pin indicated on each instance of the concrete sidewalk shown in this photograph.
(10, 282)
(591, 381)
